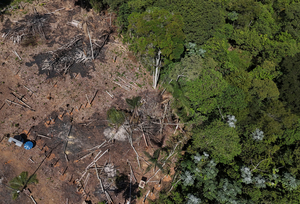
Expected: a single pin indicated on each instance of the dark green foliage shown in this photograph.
(122, 182)
(5, 3)
(114, 4)
(201, 18)
(154, 161)
(134, 102)
(29, 41)
(20, 182)
(99, 5)
(115, 116)
(123, 14)
(290, 83)
(247, 11)
(292, 20)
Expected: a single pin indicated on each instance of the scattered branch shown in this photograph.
(66, 156)
(171, 153)
(105, 192)
(17, 54)
(44, 136)
(256, 165)
(109, 94)
(29, 89)
(90, 41)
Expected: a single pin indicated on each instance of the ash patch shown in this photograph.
(60, 127)
(7, 26)
(31, 25)
(117, 134)
(69, 193)
(110, 170)
(74, 57)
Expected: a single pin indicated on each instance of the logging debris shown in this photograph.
(78, 51)
(30, 26)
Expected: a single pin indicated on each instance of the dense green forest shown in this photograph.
(233, 68)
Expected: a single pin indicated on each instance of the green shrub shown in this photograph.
(20, 182)
(115, 116)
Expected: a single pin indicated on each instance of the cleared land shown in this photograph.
(57, 82)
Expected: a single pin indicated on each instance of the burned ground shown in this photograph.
(64, 112)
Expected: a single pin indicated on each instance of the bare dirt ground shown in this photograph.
(69, 110)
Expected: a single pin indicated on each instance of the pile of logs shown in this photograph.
(76, 51)
(31, 26)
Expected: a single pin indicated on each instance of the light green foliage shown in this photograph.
(266, 71)
(200, 83)
(249, 40)
(265, 89)
(233, 16)
(290, 182)
(220, 139)
(202, 92)
(193, 49)
(190, 68)
(197, 90)
(157, 29)
(201, 18)
(232, 98)
(217, 48)
(265, 23)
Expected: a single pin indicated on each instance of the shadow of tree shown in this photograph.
(4, 3)
(123, 185)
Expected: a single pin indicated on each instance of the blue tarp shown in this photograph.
(28, 145)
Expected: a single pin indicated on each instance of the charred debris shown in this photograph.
(77, 53)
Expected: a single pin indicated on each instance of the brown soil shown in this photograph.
(63, 114)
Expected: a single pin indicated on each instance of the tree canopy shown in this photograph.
(233, 70)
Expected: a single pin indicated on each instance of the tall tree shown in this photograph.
(289, 83)
(292, 20)
(201, 18)
(219, 139)
(157, 29)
